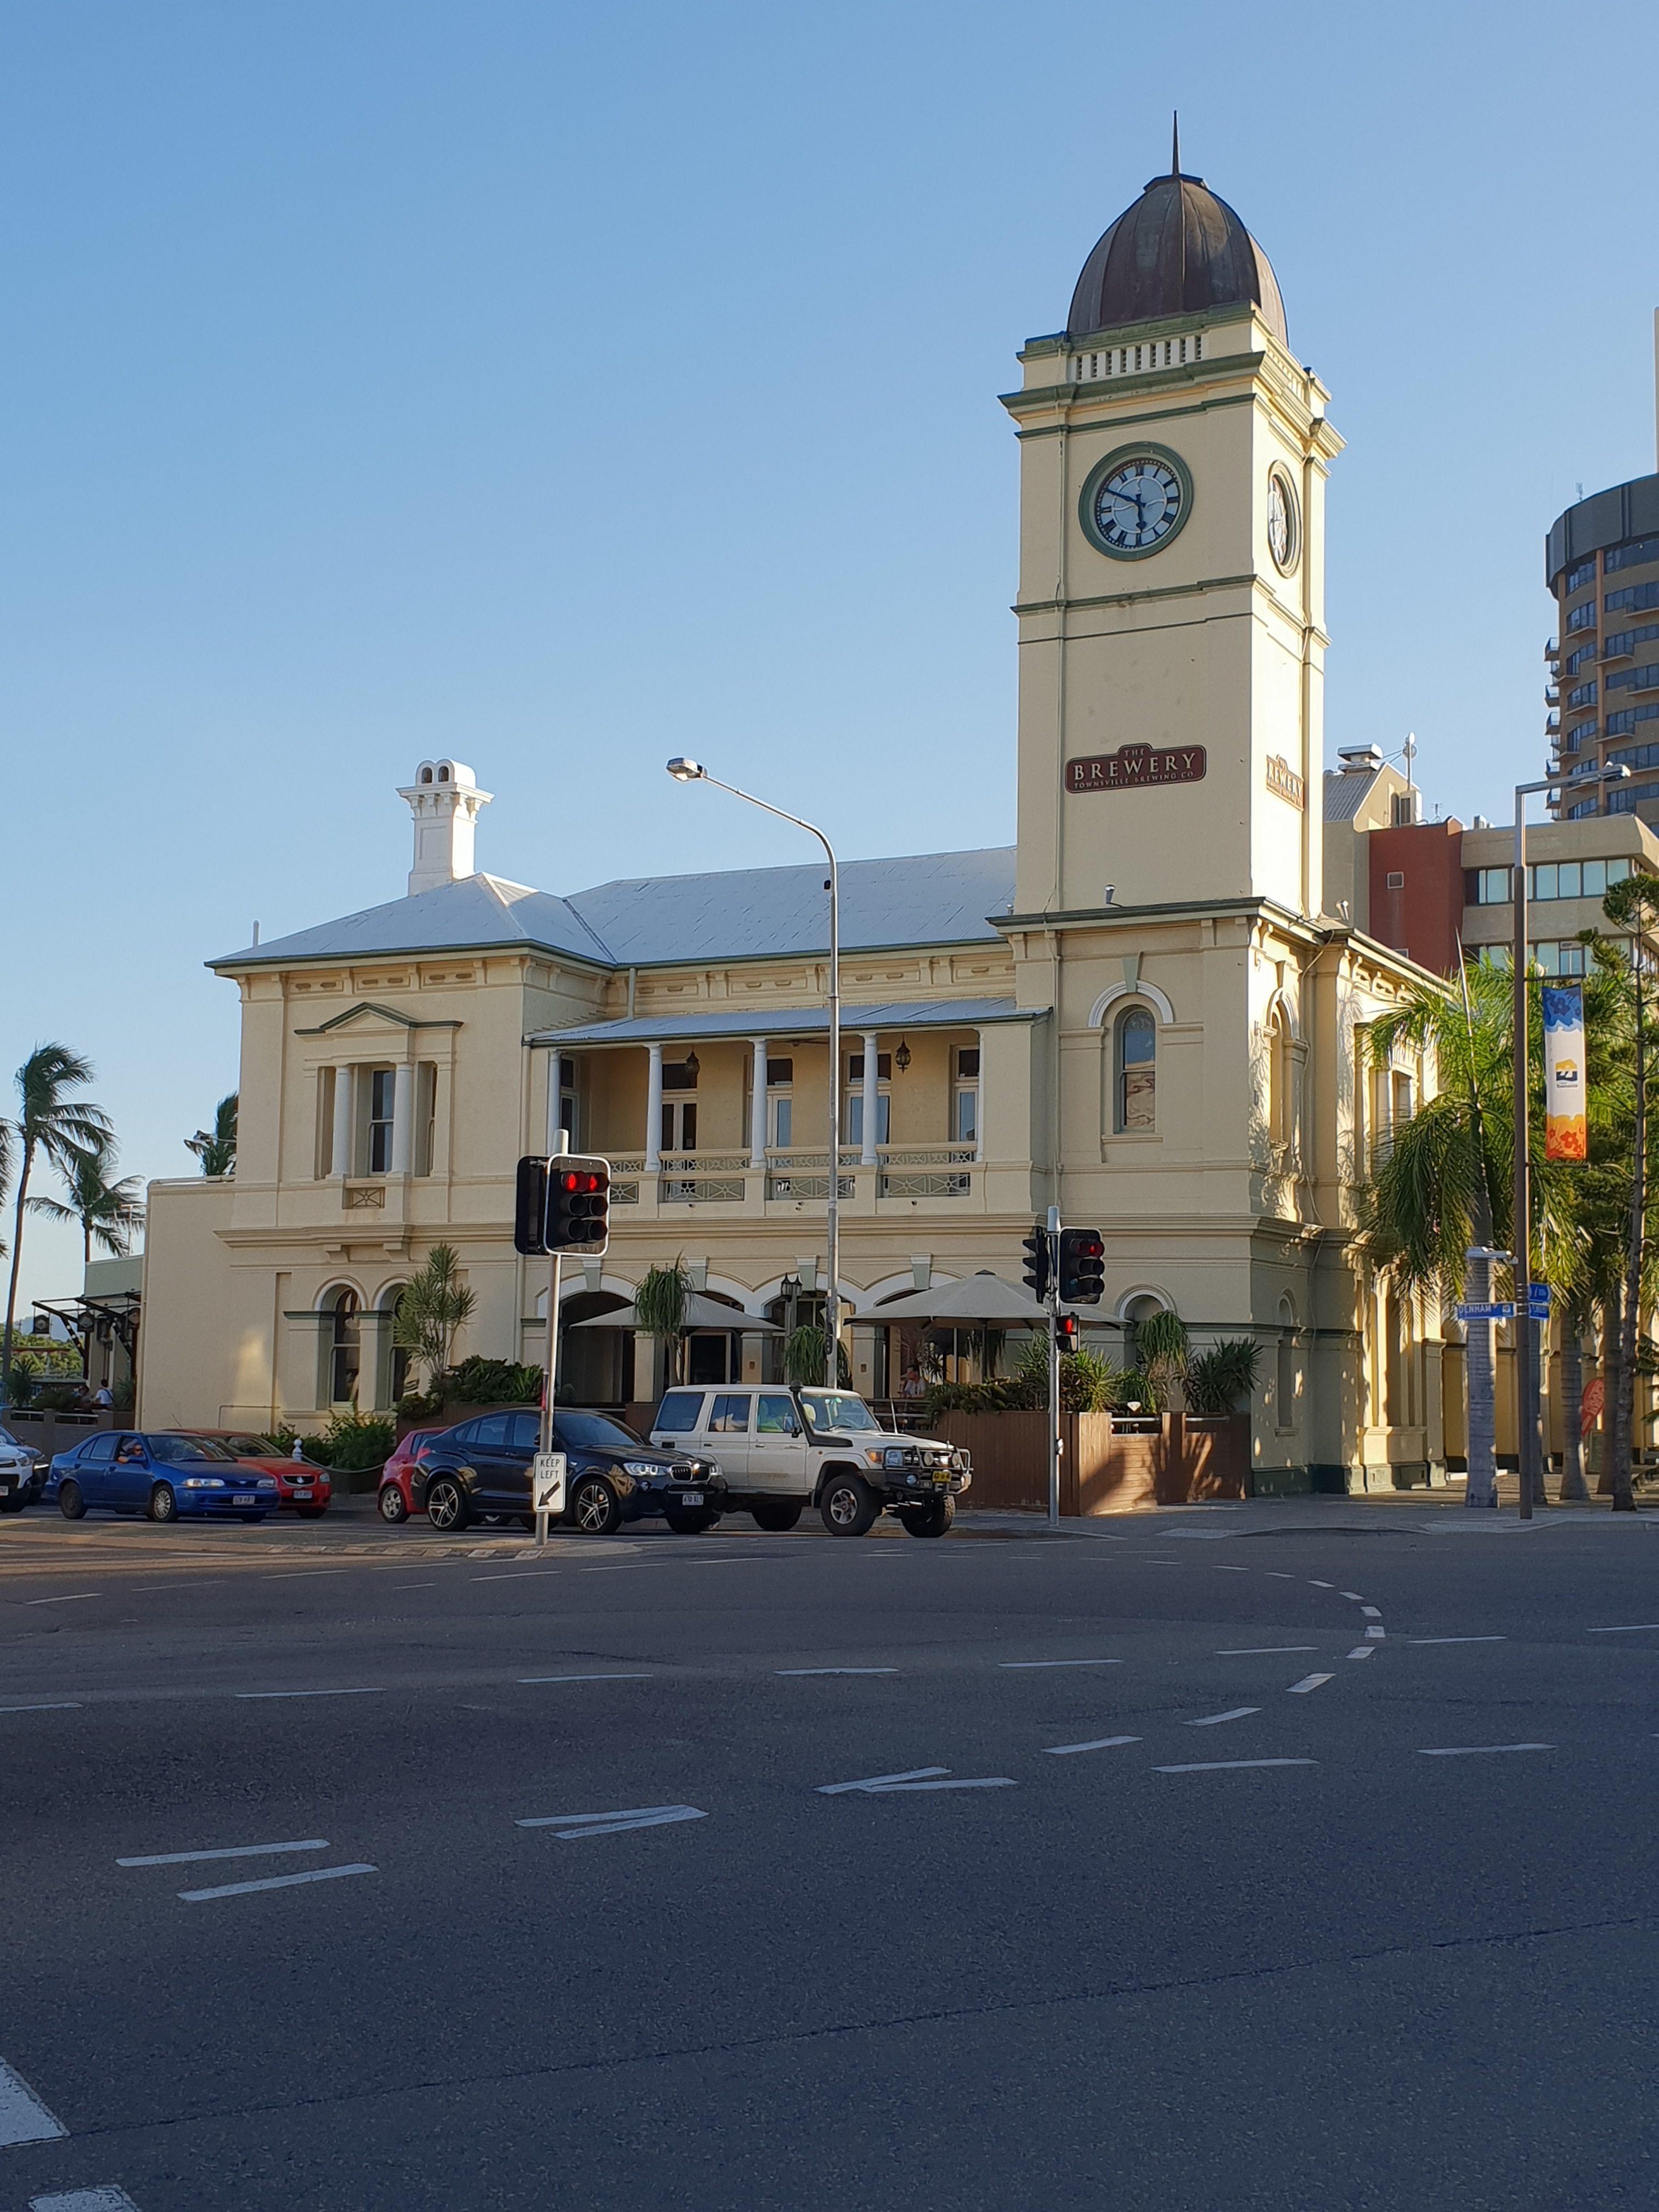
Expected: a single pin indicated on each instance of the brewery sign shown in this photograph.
(1283, 782)
(1133, 767)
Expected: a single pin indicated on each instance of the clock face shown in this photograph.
(1138, 505)
(1282, 532)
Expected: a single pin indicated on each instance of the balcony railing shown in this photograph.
(795, 1173)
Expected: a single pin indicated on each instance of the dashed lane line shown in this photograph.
(834, 1670)
(1227, 1765)
(1313, 1584)
(1234, 1713)
(1631, 1628)
(1373, 1611)
(273, 1881)
(23, 2117)
(1263, 1650)
(1363, 1651)
(107, 2198)
(1375, 1634)
(373, 1690)
(69, 1597)
(1023, 1665)
(1458, 1639)
(525, 1679)
(229, 1851)
(573, 1827)
(1101, 1743)
(1308, 1682)
(1476, 1750)
(58, 1705)
(916, 1778)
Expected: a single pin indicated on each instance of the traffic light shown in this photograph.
(1066, 1330)
(529, 1205)
(1082, 1266)
(578, 1205)
(1035, 1248)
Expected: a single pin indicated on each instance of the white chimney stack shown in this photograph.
(444, 801)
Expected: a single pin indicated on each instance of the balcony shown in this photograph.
(1553, 650)
(1552, 696)
(792, 1175)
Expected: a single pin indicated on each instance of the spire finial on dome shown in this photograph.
(1175, 142)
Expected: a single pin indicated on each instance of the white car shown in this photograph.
(782, 1449)
(22, 1476)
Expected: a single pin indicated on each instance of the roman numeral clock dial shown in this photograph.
(1135, 503)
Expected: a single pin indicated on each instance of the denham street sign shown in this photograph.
(1133, 768)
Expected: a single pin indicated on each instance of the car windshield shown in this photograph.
(836, 1409)
(171, 1449)
(241, 1447)
(597, 1431)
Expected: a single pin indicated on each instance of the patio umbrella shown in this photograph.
(700, 1312)
(982, 1300)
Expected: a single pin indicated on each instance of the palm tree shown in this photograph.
(434, 1304)
(50, 1125)
(108, 1213)
(1439, 1189)
(216, 1148)
(660, 1307)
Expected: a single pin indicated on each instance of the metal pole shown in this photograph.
(1525, 1424)
(832, 1226)
(560, 1141)
(1055, 1446)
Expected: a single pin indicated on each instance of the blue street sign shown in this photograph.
(1538, 1301)
(1498, 1309)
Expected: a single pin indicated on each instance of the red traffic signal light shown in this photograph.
(578, 1205)
(1082, 1270)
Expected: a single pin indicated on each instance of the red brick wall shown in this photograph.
(1423, 914)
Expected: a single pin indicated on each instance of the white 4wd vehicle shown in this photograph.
(782, 1449)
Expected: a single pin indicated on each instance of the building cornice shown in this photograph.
(387, 1014)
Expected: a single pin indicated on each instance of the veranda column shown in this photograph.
(872, 1100)
(653, 1110)
(402, 1116)
(555, 1097)
(757, 1107)
(979, 1100)
(339, 1159)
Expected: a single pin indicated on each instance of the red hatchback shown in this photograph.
(403, 1478)
(302, 1488)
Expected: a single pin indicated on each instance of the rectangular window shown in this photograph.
(779, 1070)
(965, 1130)
(679, 1124)
(325, 1146)
(426, 1117)
(1636, 679)
(1575, 661)
(1635, 555)
(1634, 756)
(1490, 886)
(1627, 640)
(1585, 806)
(780, 1113)
(1635, 598)
(776, 1417)
(855, 1116)
(381, 1084)
(1581, 733)
(1584, 617)
(730, 1416)
(1541, 880)
(1583, 694)
(1626, 797)
(678, 1411)
(679, 1074)
(883, 1067)
(1582, 575)
(1622, 723)
(1396, 879)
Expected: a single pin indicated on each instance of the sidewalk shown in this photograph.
(1432, 1512)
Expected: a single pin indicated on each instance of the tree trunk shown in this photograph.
(1624, 1495)
(1574, 1490)
(23, 1166)
(1613, 1333)
(1481, 1487)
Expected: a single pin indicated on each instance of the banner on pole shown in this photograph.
(1565, 1130)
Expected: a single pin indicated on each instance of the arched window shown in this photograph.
(1135, 1076)
(344, 1337)
(394, 1357)
(1281, 1095)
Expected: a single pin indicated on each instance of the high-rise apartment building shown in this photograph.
(1602, 565)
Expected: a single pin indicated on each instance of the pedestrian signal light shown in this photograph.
(1035, 1248)
(1082, 1266)
(1067, 1331)
(529, 1205)
(578, 1205)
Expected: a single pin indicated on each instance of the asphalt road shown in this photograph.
(1230, 1868)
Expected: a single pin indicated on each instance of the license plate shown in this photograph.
(690, 1498)
(302, 1490)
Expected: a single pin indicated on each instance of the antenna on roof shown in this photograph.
(1175, 142)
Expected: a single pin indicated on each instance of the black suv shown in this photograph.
(483, 1466)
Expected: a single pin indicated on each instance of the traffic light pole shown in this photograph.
(1055, 1441)
(561, 1141)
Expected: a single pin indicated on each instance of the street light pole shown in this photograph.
(690, 771)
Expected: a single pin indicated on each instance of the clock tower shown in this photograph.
(1171, 595)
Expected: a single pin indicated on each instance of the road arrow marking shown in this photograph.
(572, 1826)
(23, 2117)
(917, 1777)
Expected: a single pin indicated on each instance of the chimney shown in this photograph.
(444, 801)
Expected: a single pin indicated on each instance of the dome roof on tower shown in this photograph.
(1177, 250)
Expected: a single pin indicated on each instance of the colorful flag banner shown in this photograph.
(1565, 1130)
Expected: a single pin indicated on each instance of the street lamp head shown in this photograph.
(1616, 774)
(685, 771)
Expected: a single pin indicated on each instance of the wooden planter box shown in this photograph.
(1185, 1461)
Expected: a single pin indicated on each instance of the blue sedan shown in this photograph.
(164, 1476)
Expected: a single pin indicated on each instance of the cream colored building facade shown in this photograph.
(1139, 1011)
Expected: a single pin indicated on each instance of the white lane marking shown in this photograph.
(1226, 1765)
(573, 1826)
(1478, 1750)
(1279, 1574)
(69, 1597)
(1361, 1651)
(303, 1574)
(917, 1777)
(1633, 1628)
(1222, 1570)
(191, 1584)
(1263, 1650)
(232, 1851)
(374, 1690)
(1373, 1611)
(834, 1670)
(1101, 1743)
(273, 1881)
(430, 1585)
(520, 1575)
(1458, 1639)
(1308, 1682)
(1020, 1666)
(1355, 1595)
(975, 1782)
(59, 1706)
(108, 2198)
(1313, 1585)
(584, 1678)
(878, 1781)
(1377, 1634)
(1234, 1713)
(23, 2117)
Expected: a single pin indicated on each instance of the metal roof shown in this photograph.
(1177, 250)
(1346, 790)
(928, 898)
(778, 1022)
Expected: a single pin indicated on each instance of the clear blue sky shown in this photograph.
(562, 387)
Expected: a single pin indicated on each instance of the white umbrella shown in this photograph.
(700, 1312)
(984, 1299)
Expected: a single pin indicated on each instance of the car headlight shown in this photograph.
(266, 1482)
(643, 1470)
(204, 1482)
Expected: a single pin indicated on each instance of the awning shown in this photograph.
(700, 1313)
(983, 1299)
(778, 1023)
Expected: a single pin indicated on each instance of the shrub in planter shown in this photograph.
(479, 1382)
(1216, 1380)
(354, 1441)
